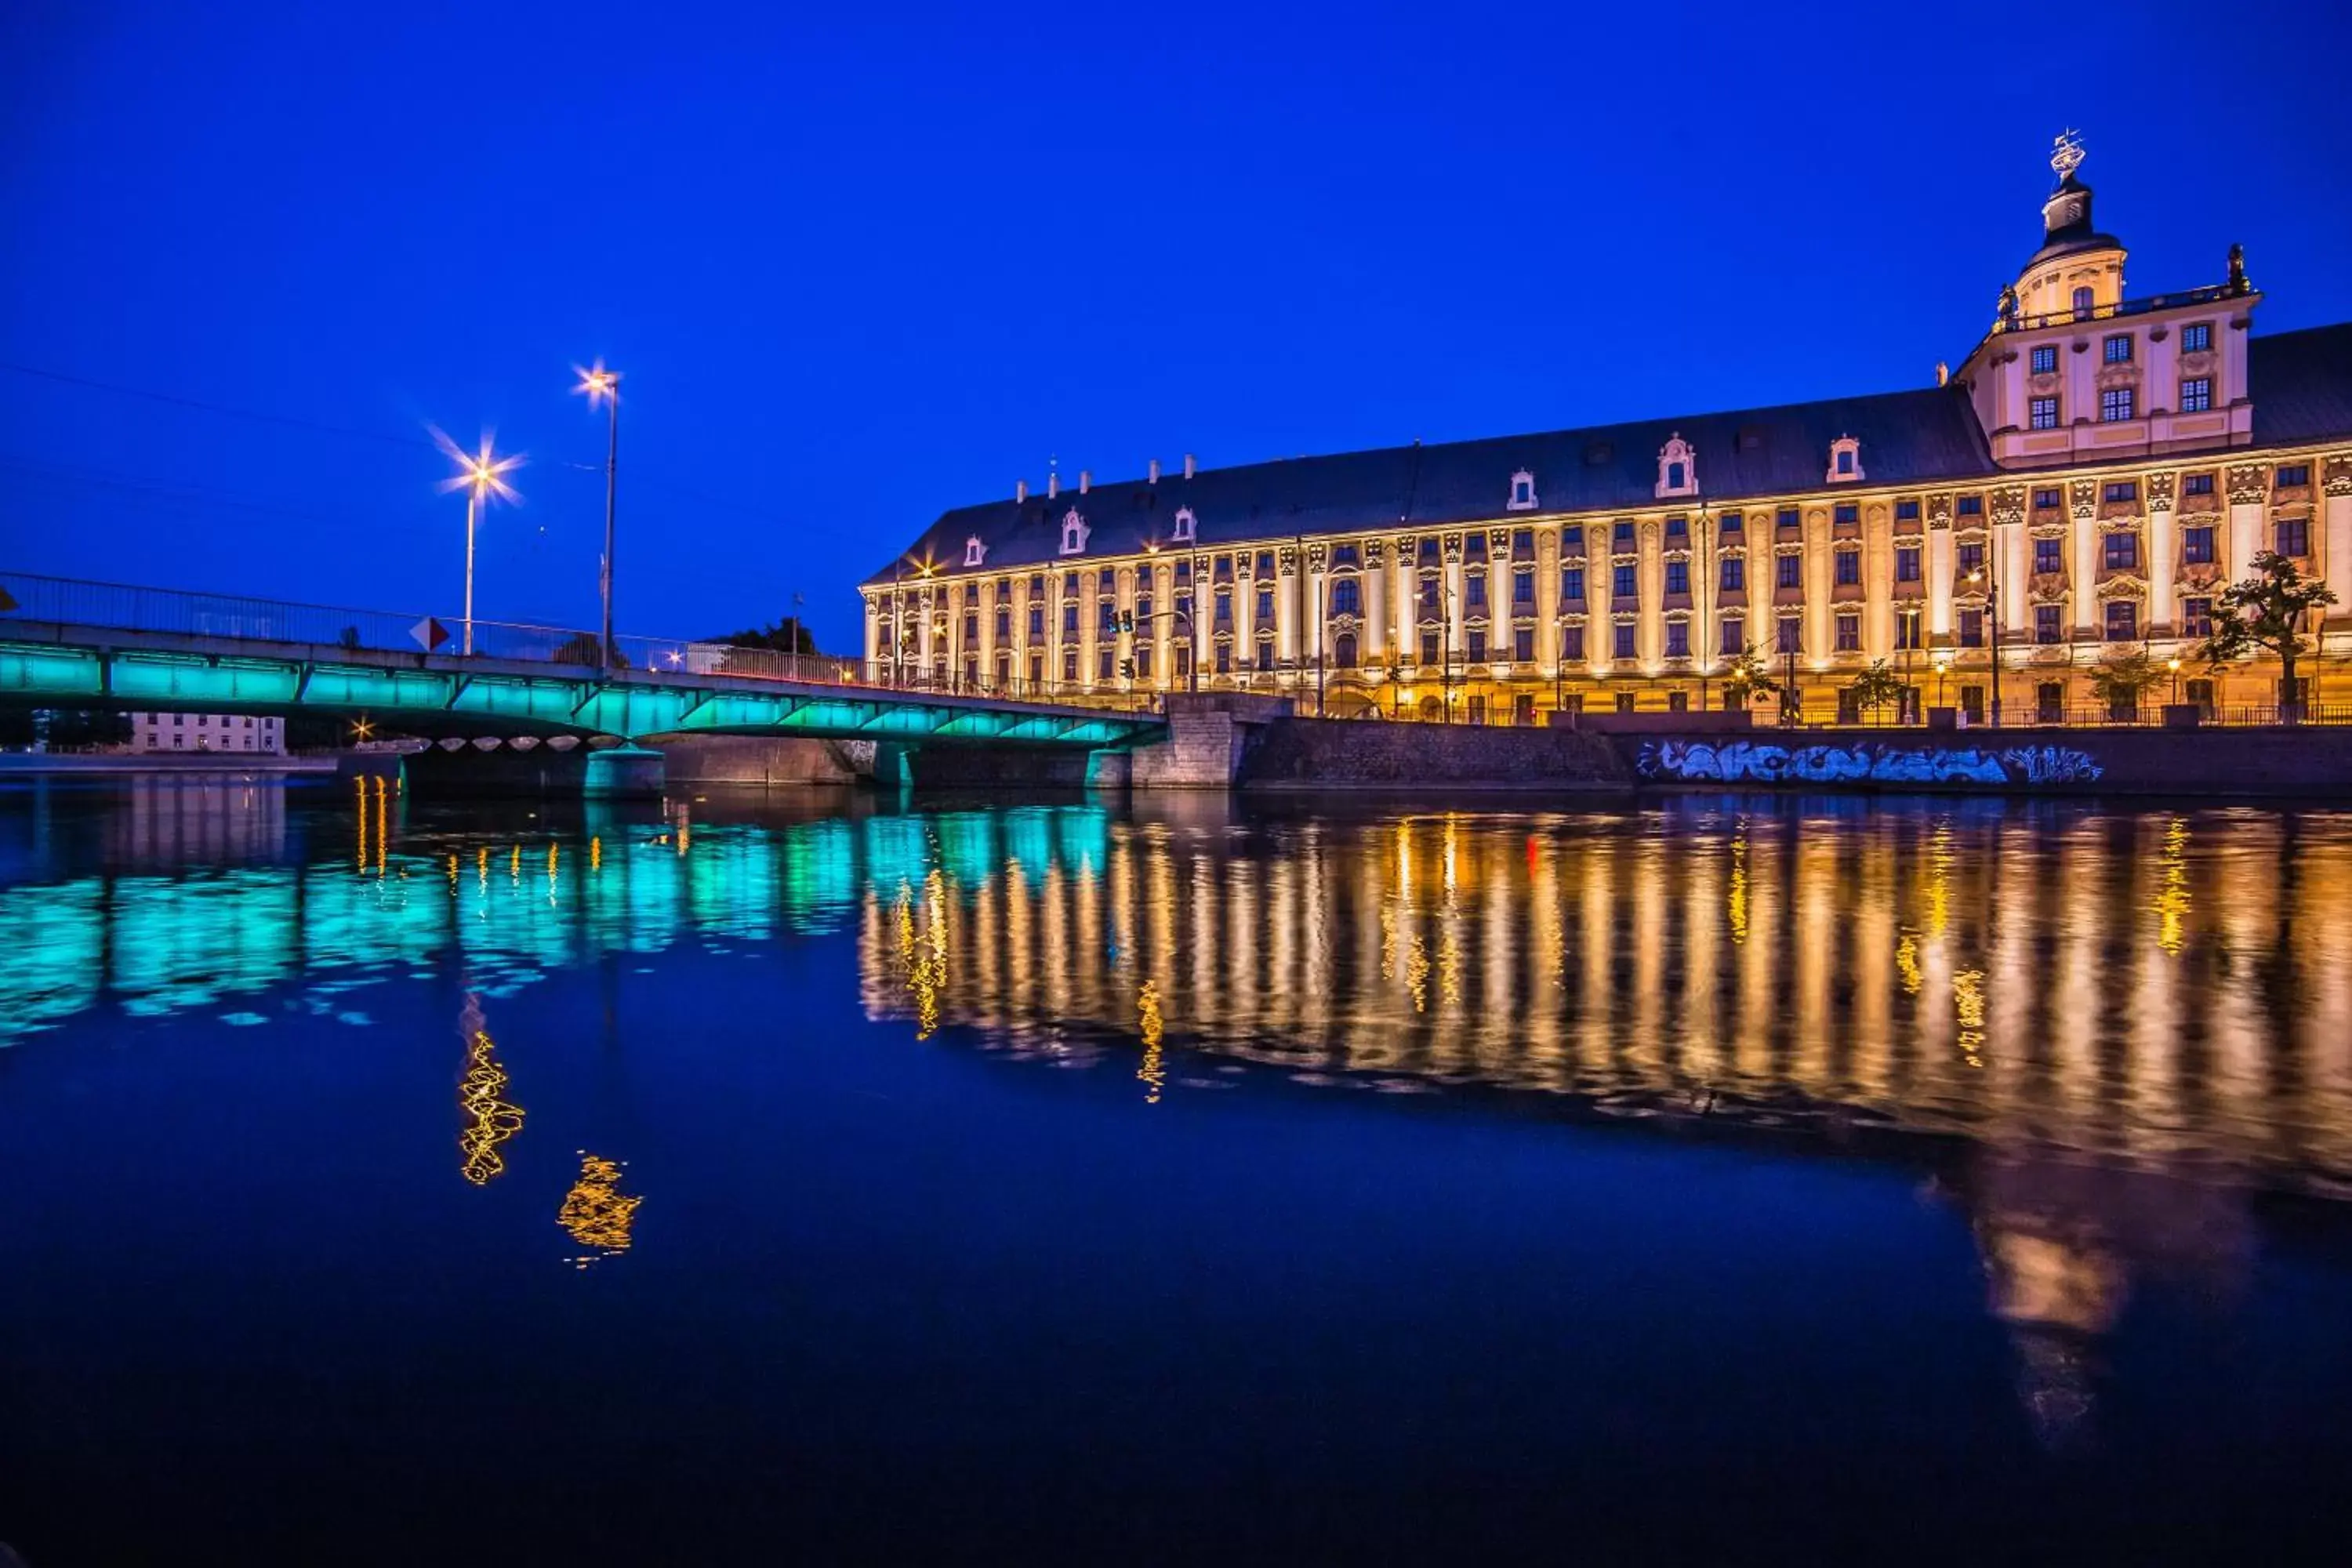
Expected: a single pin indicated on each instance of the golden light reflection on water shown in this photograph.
(1150, 1071)
(2172, 900)
(488, 1118)
(1942, 968)
(596, 1214)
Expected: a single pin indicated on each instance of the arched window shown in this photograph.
(1678, 467)
(1346, 599)
(1183, 534)
(1523, 492)
(1343, 650)
(2082, 303)
(974, 551)
(1074, 533)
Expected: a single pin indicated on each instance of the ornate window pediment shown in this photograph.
(1074, 533)
(974, 551)
(1523, 492)
(1185, 532)
(1845, 461)
(1678, 467)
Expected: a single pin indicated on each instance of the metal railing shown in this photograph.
(381, 635)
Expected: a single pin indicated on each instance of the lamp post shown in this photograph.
(2174, 665)
(1993, 601)
(479, 476)
(1943, 663)
(598, 383)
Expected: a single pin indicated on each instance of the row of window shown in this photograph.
(2120, 623)
(2120, 551)
(2118, 347)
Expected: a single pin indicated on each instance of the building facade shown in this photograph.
(2093, 474)
(240, 732)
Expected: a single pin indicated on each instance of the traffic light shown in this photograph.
(1127, 622)
(1127, 668)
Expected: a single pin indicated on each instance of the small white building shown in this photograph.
(207, 732)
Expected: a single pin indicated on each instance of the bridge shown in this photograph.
(71, 644)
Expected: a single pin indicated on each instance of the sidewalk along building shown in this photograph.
(2096, 470)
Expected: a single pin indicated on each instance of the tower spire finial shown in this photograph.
(2066, 153)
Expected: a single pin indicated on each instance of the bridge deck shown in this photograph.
(68, 663)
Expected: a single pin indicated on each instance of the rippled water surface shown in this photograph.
(805, 1179)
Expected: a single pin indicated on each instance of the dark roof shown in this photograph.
(1906, 436)
(2302, 387)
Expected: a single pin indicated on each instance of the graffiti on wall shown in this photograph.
(1861, 761)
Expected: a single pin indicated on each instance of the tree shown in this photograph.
(787, 636)
(1876, 687)
(1750, 676)
(580, 648)
(2122, 680)
(2264, 614)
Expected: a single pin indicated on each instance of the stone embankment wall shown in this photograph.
(759, 760)
(1354, 753)
(2311, 761)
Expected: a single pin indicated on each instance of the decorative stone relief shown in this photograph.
(1452, 550)
(2336, 475)
(2248, 484)
(2159, 490)
(2085, 495)
(2008, 504)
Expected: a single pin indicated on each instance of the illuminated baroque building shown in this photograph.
(2098, 468)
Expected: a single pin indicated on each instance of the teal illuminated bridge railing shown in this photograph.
(71, 644)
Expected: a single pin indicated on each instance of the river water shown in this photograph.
(808, 1179)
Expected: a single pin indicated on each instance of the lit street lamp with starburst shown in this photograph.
(481, 476)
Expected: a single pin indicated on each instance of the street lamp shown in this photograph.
(479, 476)
(1992, 600)
(2174, 665)
(597, 383)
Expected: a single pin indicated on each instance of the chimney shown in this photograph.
(1155, 471)
(1086, 478)
(1053, 483)
(1020, 492)
(1188, 465)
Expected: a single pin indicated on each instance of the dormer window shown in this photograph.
(1523, 492)
(1845, 460)
(974, 551)
(1183, 534)
(1074, 533)
(1677, 469)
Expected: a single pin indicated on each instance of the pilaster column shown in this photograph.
(1877, 581)
(1163, 625)
(1818, 579)
(1317, 642)
(1706, 587)
(2249, 489)
(1650, 584)
(2084, 536)
(1939, 578)
(1452, 609)
(1376, 602)
(1285, 607)
(2162, 545)
(2335, 530)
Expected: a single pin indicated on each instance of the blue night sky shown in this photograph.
(859, 264)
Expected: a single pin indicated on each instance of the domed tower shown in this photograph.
(2078, 272)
